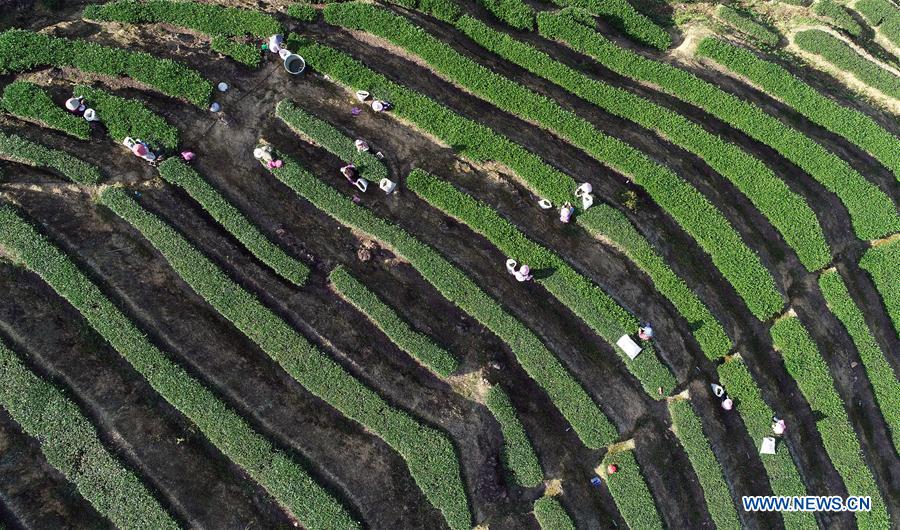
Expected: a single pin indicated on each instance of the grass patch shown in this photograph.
(805, 364)
(841, 56)
(129, 117)
(882, 262)
(429, 454)
(18, 149)
(872, 213)
(70, 444)
(31, 102)
(276, 472)
(177, 173)
(606, 317)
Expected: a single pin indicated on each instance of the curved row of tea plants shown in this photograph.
(516, 13)
(882, 262)
(586, 418)
(629, 489)
(551, 515)
(738, 263)
(878, 369)
(22, 50)
(844, 58)
(430, 456)
(335, 142)
(689, 430)
(608, 224)
(837, 16)
(783, 474)
(786, 210)
(18, 149)
(218, 22)
(481, 143)
(129, 117)
(872, 213)
(746, 25)
(575, 291)
(275, 471)
(805, 364)
(780, 83)
(881, 14)
(624, 16)
(416, 344)
(518, 455)
(177, 173)
(70, 444)
(32, 103)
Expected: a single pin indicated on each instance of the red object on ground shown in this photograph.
(139, 149)
(612, 469)
(188, 155)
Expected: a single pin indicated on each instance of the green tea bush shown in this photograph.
(872, 213)
(624, 16)
(689, 429)
(586, 418)
(630, 491)
(206, 18)
(430, 456)
(838, 16)
(757, 415)
(177, 173)
(786, 210)
(686, 204)
(780, 83)
(302, 12)
(70, 444)
(551, 515)
(248, 54)
(446, 10)
(746, 25)
(881, 14)
(578, 293)
(516, 13)
(18, 149)
(129, 117)
(882, 262)
(416, 344)
(334, 141)
(31, 102)
(607, 223)
(840, 55)
(518, 454)
(805, 364)
(22, 50)
(289, 484)
(878, 368)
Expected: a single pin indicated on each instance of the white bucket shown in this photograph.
(387, 185)
(545, 204)
(294, 64)
(362, 184)
(587, 200)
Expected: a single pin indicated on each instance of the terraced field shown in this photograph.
(301, 312)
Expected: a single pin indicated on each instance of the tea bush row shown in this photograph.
(781, 84)
(22, 50)
(18, 149)
(70, 444)
(275, 471)
(417, 345)
(302, 12)
(575, 291)
(878, 368)
(688, 206)
(177, 173)
(589, 422)
(882, 262)
(882, 14)
(516, 13)
(746, 25)
(551, 515)
(757, 416)
(630, 491)
(31, 102)
(689, 430)
(335, 142)
(206, 18)
(430, 456)
(786, 210)
(805, 364)
(838, 16)
(518, 453)
(872, 213)
(248, 54)
(129, 117)
(624, 16)
(841, 56)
